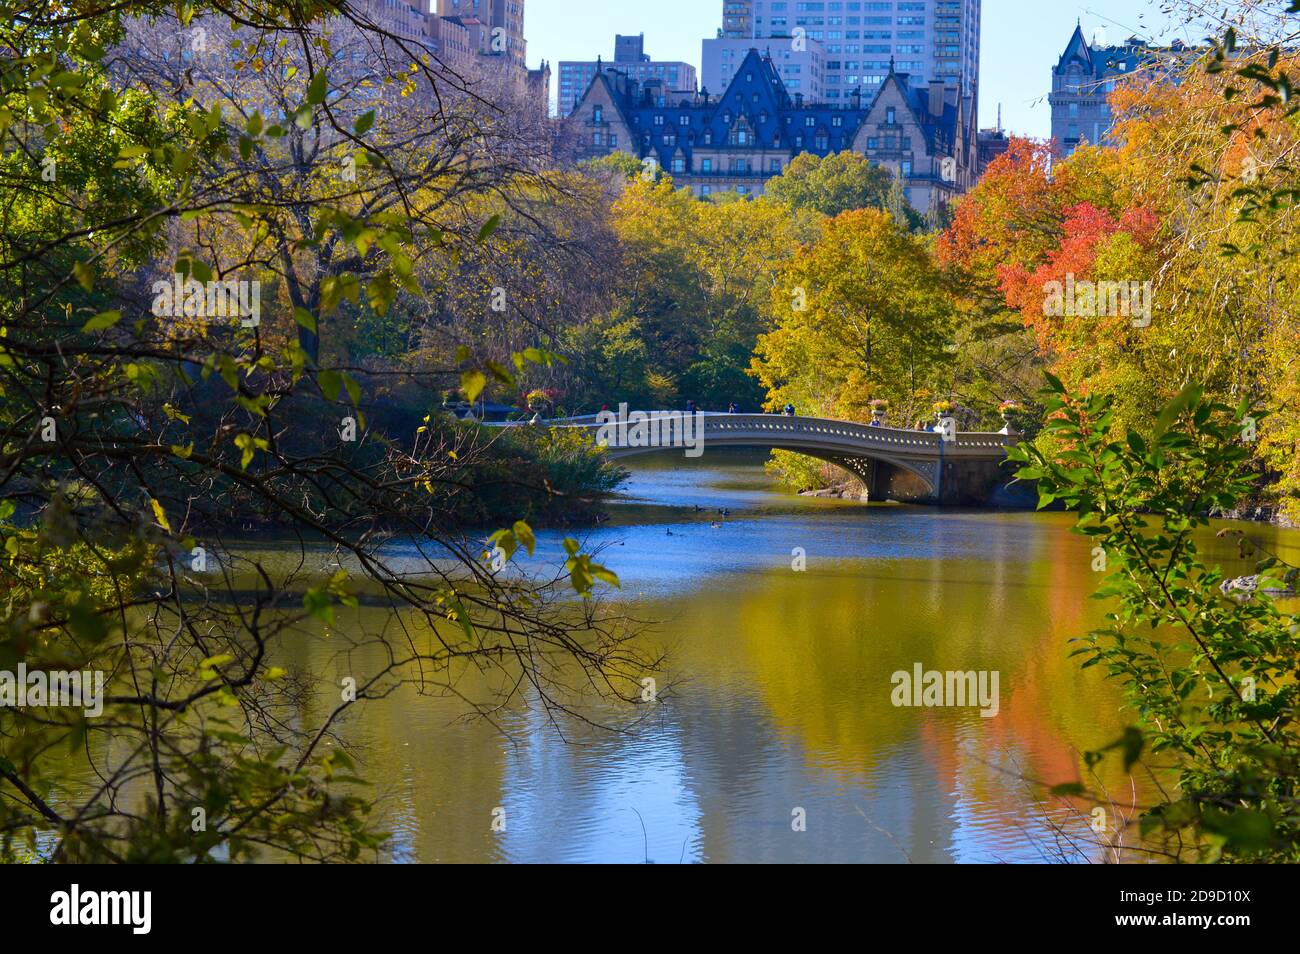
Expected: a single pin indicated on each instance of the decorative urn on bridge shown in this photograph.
(1008, 409)
(879, 412)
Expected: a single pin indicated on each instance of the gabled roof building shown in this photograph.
(737, 141)
(1085, 76)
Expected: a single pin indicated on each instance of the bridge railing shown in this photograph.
(746, 426)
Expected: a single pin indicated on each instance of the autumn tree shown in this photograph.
(862, 314)
(840, 182)
(139, 439)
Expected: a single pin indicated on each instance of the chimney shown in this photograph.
(936, 97)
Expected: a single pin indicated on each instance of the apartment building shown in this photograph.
(863, 40)
(734, 142)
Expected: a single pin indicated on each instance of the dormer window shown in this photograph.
(743, 134)
(726, 117)
(762, 117)
(708, 137)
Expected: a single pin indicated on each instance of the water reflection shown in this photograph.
(777, 703)
(781, 694)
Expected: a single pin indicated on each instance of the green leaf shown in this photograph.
(105, 319)
(489, 227)
(1188, 396)
(353, 389)
(363, 123)
(318, 88)
(330, 383)
(317, 602)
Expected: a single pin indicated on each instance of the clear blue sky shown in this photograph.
(1022, 40)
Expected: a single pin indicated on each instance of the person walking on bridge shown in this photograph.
(788, 411)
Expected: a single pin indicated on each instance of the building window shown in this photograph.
(683, 120)
(810, 121)
(837, 121)
(598, 114)
(659, 119)
(706, 165)
(776, 165)
(890, 115)
(907, 169)
(679, 165)
(597, 139)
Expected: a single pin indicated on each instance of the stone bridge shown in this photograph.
(969, 469)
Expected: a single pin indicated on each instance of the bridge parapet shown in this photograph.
(900, 464)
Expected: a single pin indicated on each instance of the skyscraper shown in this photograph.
(927, 39)
(630, 58)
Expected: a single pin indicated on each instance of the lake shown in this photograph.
(776, 736)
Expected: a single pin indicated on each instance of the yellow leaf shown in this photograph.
(160, 515)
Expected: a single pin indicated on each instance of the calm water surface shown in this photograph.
(781, 694)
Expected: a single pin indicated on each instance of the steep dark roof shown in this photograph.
(1077, 49)
(759, 103)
